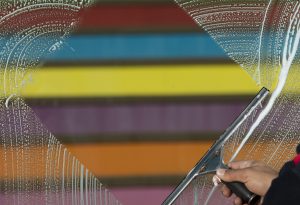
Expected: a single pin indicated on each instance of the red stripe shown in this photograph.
(136, 16)
(39, 18)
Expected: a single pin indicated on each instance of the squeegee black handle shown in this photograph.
(240, 190)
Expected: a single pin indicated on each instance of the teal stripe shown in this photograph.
(168, 46)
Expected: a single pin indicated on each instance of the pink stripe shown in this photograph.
(141, 195)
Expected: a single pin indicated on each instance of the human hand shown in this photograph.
(255, 175)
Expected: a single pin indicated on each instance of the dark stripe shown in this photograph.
(142, 181)
(113, 101)
(123, 120)
(117, 2)
(80, 30)
(144, 137)
(112, 182)
(136, 62)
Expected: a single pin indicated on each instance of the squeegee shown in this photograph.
(213, 159)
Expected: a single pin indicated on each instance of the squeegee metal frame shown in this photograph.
(209, 162)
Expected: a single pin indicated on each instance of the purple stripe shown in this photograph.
(139, 118)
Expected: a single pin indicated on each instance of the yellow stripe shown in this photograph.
(150, 80)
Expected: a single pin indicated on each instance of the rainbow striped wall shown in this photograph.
(138, 94)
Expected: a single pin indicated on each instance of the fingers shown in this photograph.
(240, 164)
(244, 164)
(261, 201)
(237, 201)
(226, 191)
(231, 175)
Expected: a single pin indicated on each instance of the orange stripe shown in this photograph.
(138, 159)
(108, 160)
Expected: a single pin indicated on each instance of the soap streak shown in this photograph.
(287, 60)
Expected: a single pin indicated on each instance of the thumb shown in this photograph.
(230, 175)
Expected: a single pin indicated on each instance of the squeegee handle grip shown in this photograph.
(240, 190)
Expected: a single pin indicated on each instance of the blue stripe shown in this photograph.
(139, 47)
